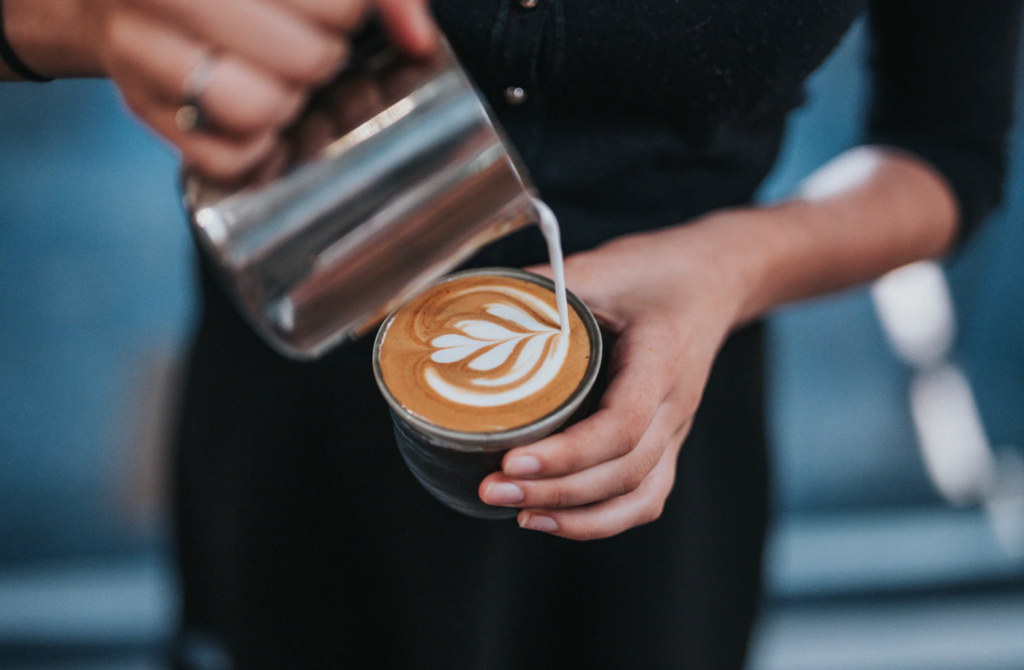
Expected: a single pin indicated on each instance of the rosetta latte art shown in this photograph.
(483, 353)
(528, 353)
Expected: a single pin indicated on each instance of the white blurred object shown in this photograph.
(916, 311)
(843, 173)
(953, 442)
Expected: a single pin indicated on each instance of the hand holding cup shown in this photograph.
(670, 302)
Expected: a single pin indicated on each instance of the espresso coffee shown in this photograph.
(483, 354)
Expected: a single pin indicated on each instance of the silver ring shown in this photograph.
(191, 117)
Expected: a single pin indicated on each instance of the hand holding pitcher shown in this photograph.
(218, 80)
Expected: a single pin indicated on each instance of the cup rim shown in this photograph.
(493, 441)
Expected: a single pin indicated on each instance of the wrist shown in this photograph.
(773, 240)
(740, 248)
(53, 38)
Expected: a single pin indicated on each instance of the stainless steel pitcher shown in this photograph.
(395, 174)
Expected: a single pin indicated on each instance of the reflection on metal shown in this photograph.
(917, 315)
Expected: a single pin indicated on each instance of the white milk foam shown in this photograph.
(553, 236)
(529, 374)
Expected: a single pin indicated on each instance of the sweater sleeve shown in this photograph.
(944, 74)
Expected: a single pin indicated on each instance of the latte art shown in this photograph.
(514, 339)
(483, 353)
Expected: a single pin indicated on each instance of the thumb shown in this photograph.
(580, 277)
(542, 270)
(410, 25)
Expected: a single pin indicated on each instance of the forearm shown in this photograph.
(880, 210)
(53, 37)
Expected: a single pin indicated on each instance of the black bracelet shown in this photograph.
(8, 56)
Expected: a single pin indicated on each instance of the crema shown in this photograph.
(484, 353)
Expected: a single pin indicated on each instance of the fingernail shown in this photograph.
(502, 494)
(540, 522)
(522, 466)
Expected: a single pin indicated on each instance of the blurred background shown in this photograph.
(897, 412)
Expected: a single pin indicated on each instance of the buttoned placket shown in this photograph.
(517, 43)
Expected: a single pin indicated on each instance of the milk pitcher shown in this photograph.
(395, 173)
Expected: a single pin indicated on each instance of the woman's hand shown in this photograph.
(669, 304)
(267, 58)
(672, 296)
(264, 58)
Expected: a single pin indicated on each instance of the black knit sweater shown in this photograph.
(643, 114)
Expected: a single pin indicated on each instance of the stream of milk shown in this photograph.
(552, 234)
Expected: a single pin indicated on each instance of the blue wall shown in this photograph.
(94, 283)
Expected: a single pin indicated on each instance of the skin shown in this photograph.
(270, 54)
(670, 296)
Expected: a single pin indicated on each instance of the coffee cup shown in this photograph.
(451, 463)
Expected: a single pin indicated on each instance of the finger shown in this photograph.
(238, 97)
(345, 16)
(221, 157)
(409, 24)
(264, 33)
(601, 482)
(589, 280)
(639, 385)
(542, 270)
(609, 517)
